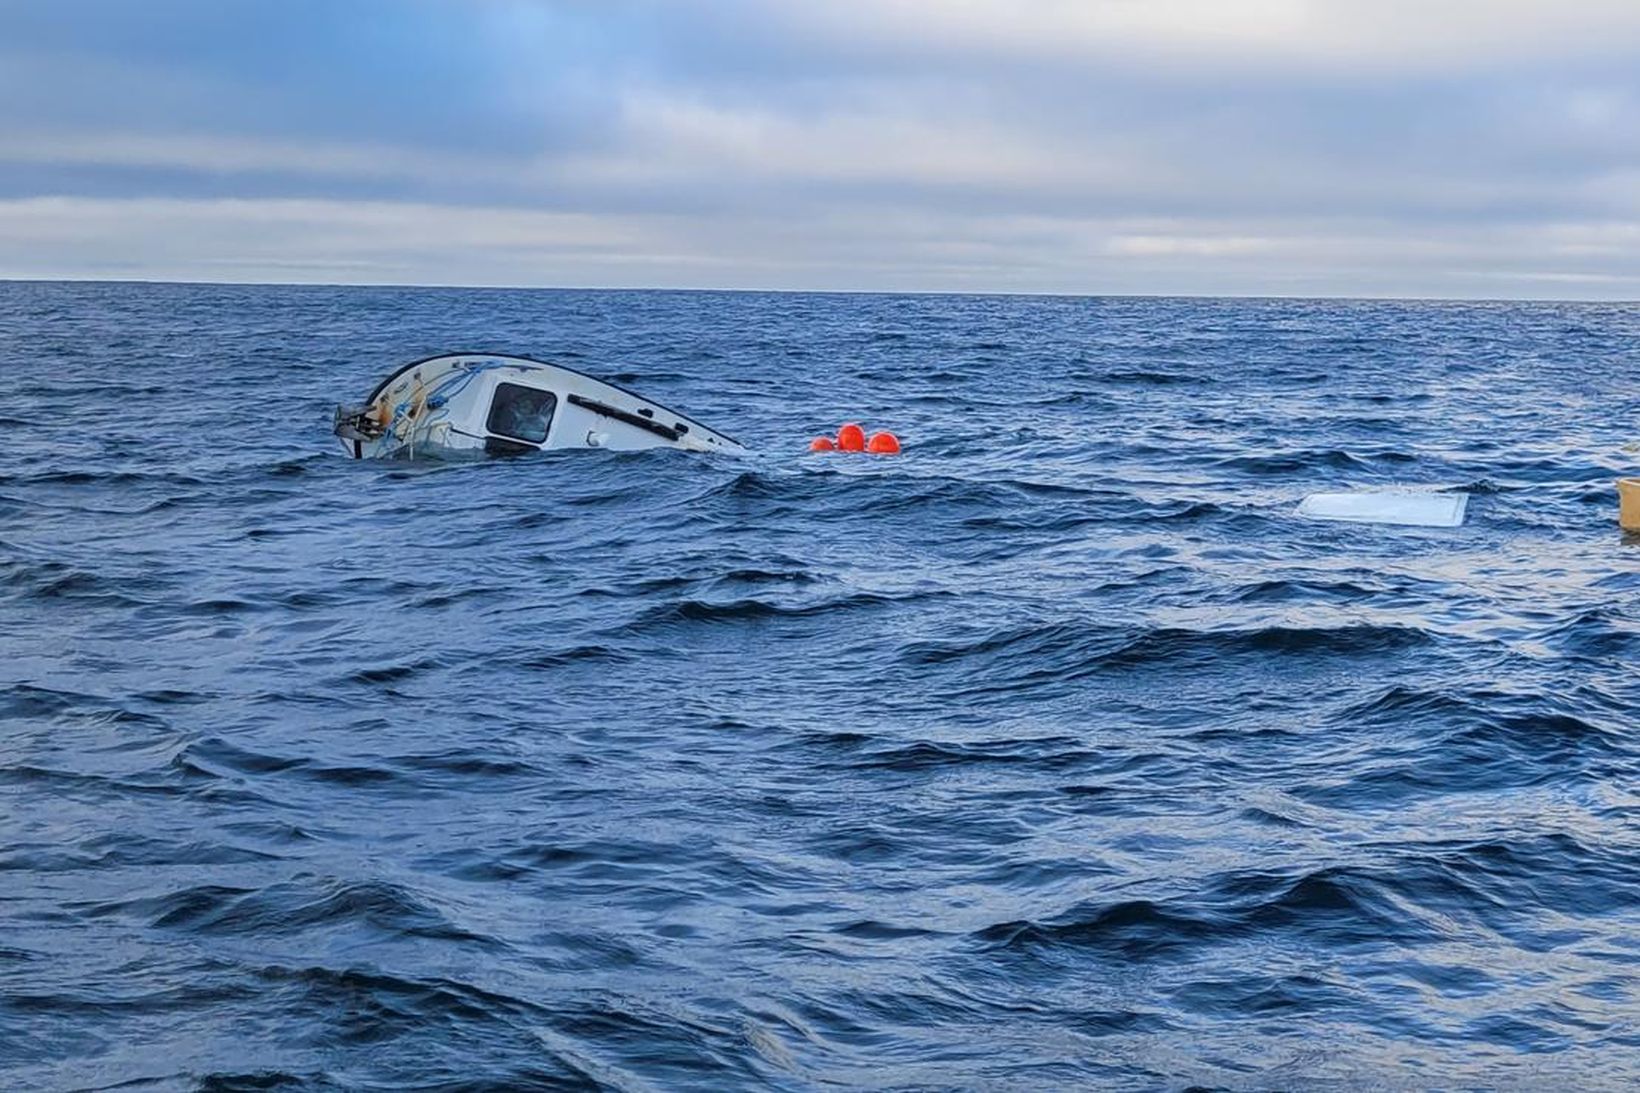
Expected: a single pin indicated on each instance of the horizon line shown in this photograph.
(6, 279)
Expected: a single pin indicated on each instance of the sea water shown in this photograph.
(1055, 752)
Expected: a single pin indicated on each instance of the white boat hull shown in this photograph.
(471, 404)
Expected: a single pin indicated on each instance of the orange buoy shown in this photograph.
(822, 444)
(851, 438)
(883, 443)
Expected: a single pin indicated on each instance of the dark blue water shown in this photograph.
(1056, 752)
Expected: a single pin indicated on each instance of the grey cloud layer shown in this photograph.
(1259, 146)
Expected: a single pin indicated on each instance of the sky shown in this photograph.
(1447, 148)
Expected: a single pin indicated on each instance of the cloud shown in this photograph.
(1101, 145)
(213, 154)
(408, 243)
(1305, 34)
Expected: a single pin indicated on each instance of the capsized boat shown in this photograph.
(487, 403)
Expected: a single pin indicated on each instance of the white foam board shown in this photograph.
(1427, 510)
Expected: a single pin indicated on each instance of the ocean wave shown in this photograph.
(1054, 647)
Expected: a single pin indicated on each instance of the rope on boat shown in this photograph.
(405, 413)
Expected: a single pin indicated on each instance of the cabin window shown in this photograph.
(523, 413)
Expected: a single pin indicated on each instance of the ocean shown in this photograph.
(1053, 753)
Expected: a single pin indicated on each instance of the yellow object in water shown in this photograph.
(1628, 503)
